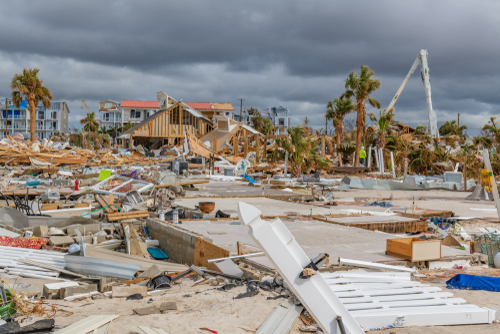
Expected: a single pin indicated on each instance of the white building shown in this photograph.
(137, 111)
(49, 121)
(110, 113)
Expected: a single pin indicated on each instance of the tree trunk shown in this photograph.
(295, 170)
(405, 161)
(359, 129)
(33, 119)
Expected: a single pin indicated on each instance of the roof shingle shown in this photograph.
(199, 105)
(140, 104)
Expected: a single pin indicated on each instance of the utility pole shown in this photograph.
(458, 119)
(241, 109)
(326, 124)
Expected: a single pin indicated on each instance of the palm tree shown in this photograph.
(402, 146)
(420, 129)
(492, 129)
(90, 123)
(301, 151)
(126, 126)
(361, 85)
(102, 130)
(307, 128)
(452, 128)
(382, 126)
(27, 85)
(336, 111)
(113, 132)
(261, 124)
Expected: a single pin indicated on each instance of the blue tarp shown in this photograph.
(473, 282)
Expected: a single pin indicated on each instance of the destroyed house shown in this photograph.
(229, 135)
(168, 126)
(212, 109)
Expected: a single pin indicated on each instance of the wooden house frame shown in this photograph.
(168, 126)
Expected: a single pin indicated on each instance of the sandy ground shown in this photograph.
(216, 310)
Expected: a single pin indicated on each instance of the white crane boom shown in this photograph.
(422, 61)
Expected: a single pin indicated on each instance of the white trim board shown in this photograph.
(289, 259)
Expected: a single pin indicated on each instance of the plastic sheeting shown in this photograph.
(473, 282)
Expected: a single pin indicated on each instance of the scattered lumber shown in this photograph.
(127, 215)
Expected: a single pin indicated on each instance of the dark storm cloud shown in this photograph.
(291, 53)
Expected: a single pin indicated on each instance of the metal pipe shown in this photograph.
(236, 257)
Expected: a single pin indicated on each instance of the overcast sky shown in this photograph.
(291, 53)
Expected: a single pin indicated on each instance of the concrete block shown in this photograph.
(51, 288)
(183, 250)
(61, 241)
(40, 231)
(151, 272)
(177, 236)
(124, 291)
(147, 310)
(186, 239)
(84, 229)
(77, 290)
(168, 306)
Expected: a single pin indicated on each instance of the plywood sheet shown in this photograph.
(204, 250)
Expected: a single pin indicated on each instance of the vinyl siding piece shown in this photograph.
(149, 330)
(281, 320)
(91, 324)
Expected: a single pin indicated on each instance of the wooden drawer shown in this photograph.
(414, 249)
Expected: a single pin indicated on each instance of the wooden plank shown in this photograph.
(104, 204)
(135, 247)
(204, 250)
(111, 207)
(414, 249)
(53, 206)
(186, 183)
(127, 215)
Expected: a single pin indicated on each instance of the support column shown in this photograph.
(245, 137)
(323, 146)
(235, 145)
(215, 145)
(494, 190)
(257, 149)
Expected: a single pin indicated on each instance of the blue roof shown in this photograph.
(22, 105)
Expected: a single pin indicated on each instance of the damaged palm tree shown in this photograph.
(336, 110)
(301, 150)
(361, 85)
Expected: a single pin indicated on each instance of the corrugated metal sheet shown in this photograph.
(100, 267)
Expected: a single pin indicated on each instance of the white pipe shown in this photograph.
(14, 265)
(34, 272)
(368, 164)
(68, 210)
(393, 167)
(42, 277)
(376, 158)
(70, 298)
(381, 153)
(236, 257)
